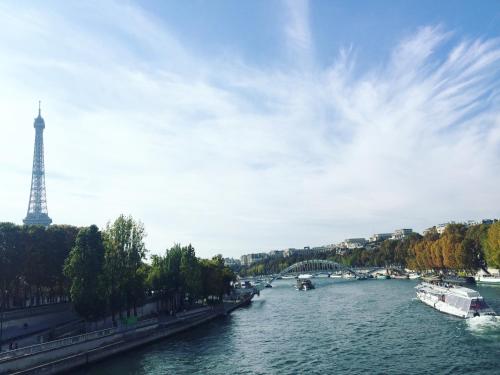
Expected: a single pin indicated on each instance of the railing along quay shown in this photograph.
(56, 344)
(28, 350)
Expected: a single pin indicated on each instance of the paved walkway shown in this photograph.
(25, 331)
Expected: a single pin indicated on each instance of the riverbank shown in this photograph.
(67, 354)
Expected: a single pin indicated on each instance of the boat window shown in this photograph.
(478, 304)
(458, 302)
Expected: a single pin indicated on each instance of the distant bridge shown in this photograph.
(321, 266)
(317, 266)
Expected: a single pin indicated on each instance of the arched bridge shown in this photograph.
(317, 266)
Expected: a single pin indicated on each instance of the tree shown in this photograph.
(59, 241)
(11, 255)
(216, 278)
(436, 259)
(450, 243)
(492, 246)
(174, 276)
(431, 234)
(473, 253)
(124, 253)
(84, 268)
(190, 272)
(36, 262)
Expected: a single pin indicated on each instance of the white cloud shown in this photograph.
(235, 157)
(298, 31)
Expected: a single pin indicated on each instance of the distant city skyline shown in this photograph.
(259, 125)
(396, 234)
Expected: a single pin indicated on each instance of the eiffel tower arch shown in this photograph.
(37, 207)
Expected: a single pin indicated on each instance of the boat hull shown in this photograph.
(488, 280)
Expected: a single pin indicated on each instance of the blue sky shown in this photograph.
(251, 126)
(255, 29)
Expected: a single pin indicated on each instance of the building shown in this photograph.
(321, 249)
(379, 237)
(231, 262)
(37, 206)
(354, 243)
(441, 227)
(399, 234)
(471, 223)
(276, 253)
(249, 259)
(340, 251)
(290, 251)
(244, 260)
(429, 230)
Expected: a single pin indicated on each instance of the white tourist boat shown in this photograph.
(305, 276)
(348, 275)
(455, 300)
(336, 275)
(304, 284)
(413, 276)
(488, 279)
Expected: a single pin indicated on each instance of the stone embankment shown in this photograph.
(66, 354)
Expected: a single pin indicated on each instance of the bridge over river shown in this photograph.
(328, 268)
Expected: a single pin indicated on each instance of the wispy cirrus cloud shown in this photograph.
(236, 157)
(298, 31)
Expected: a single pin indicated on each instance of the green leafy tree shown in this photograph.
(124, 253)
(84, 268)
(174, 276)
(59, 241)
(11, 256)
(190, 272)
(36, 263)
(216, 278)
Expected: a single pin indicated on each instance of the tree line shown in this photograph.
(31, 263)
(103, 272)
(458, 248)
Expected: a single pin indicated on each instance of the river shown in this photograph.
(369, 327)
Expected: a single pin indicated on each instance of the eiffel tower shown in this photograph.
(37, 207)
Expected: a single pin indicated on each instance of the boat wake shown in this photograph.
(484, 326)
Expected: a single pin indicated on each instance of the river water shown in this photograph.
(355, 327)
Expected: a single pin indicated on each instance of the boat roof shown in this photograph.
(457, 290)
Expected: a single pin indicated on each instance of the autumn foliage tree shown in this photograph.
(459, 248)
(492, 245)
